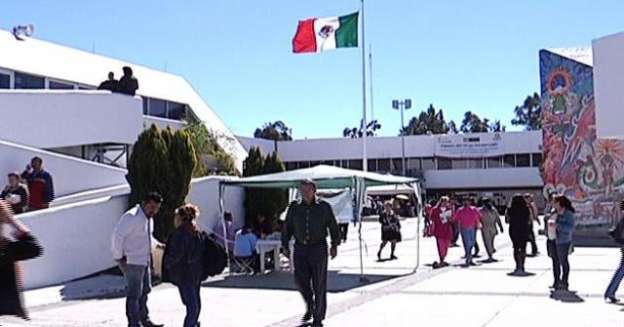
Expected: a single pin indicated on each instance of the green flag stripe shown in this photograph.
(347, 33)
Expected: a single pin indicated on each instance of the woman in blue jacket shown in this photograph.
(565, 230)
(183, 261)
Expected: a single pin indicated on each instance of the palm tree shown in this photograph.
(371, 130)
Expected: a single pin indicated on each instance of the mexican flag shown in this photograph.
(321, 34)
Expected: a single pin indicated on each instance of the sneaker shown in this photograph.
(444, 264)
(317, 324)
(393, 257)
(612, 299)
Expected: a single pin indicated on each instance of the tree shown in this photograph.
(209, 155)
(162, 161)
(452, 128)
(276, 131)
(430, 121)
(260, 201)
(473, 124)
(354, 132)
(529, 114)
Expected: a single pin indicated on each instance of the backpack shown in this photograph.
(214, 259)
(617, 233)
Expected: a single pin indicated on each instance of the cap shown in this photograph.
(308, 181)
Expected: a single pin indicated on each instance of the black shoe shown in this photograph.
(317, 324)
(562, 287)
(149, 323)
(379, 256)
(307, 317)
(612, 299)
(393, 257)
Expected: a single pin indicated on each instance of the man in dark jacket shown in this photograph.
(40, 185)
(110, 84)
(309, 221)
(23, 248)
(128, 84)
(16, 194)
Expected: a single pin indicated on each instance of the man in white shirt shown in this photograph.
(132, 247)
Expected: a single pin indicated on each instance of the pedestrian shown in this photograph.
(131, 247)
(469, 220)
(128, 84)
(455, 224)
(16, 194)
(518, 217)
(226, 240)
(427, 212)
(490, 224)
(183, 261)
(245, 248)
(618, 236)
(390, 230)
(528, 197)
(111, 84)
(40, 184)
(565, 229)
(308, 220)
(23, 247)
(550, 225)
(442, 221)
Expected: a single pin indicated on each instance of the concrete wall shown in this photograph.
(70, 175)
(53, 118)
(76, 236)
(609, 85)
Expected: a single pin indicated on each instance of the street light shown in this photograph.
(402, 105)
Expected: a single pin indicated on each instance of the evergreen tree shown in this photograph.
(252, 166)
(275, 200)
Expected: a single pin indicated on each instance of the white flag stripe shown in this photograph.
(325, 32)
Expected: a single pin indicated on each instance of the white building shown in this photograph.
(50, 108)
(494, 164)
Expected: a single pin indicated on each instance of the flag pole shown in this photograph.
(365, 130)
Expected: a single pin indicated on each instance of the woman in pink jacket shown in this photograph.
(442, 217)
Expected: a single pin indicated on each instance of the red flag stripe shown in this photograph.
(305, 39)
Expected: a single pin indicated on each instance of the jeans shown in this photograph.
(138, 285)
(469, 237)
(561, 266)
(617, 278)
(192, 302)
(311, 277)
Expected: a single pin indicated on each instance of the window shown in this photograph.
(383, 165)
(26, 81)
(445, 164)
(459, 163)
(428, 164)
(355, 164)
(304, 164)
(537, 159)
(494, 162)
(5, 81)
(412, 163)
(397, 166)
(509, 161)
(176, 110)
(523, 160)
(145, 106)
(54, 85)
(157, 108)
(475, 163)
(372, 164)
(80, 87)
(291, 165)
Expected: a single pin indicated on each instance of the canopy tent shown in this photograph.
(329, 177)
(390, 190)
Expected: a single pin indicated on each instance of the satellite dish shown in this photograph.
(20, 32)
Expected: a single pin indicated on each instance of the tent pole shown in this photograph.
(222, 217)
(360, 188)
(418, 218)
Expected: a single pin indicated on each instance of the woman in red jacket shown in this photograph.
(442, 218)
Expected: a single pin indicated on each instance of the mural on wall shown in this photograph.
(590, 171)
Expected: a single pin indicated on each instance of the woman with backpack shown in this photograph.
(183, 261)
(618, 236)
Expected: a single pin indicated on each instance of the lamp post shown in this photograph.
(401, 106)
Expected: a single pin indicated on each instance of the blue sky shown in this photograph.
(459, 55)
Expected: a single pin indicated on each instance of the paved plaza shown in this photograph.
(393, 295)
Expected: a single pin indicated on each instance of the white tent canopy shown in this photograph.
(328, 177)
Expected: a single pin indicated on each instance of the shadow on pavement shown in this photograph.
(566, 296)
(336, 282)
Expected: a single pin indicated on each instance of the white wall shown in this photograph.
(205, 193)
(76, 240)
(483, 178)
(163, 123)
(70, 175)
(609, 85)
(55, 118)
(76, 237)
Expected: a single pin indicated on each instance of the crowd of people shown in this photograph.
(31, 190)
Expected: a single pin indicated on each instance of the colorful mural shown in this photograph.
(588, 170)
